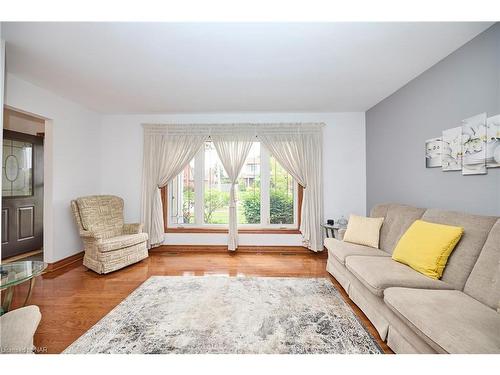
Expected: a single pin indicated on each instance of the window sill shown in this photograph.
(223, 230)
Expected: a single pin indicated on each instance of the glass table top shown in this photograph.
(17, 272)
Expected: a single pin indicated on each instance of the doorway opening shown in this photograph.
(22, 186)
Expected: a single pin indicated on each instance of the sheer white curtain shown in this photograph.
(232, 150)
(165, 156)
(300, 154)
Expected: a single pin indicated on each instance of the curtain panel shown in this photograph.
(168, 148)
(301, 156)
(165, 156)
(233, 151)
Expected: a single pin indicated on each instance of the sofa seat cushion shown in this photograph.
(119, 242)
(380, 273)
(340, 250)
(448, 320)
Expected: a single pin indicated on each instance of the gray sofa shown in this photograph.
(412, 312)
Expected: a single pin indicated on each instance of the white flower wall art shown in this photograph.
(433, 153)
(493, 142)
(451, 153)
(474, 145)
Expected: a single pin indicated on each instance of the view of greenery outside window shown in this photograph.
(216, 188)
(188, 194)
(249, 188)
(282, 192)
(281, 198)
(209, 191)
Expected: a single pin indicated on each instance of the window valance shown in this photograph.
(243, 129)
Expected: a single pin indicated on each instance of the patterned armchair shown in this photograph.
(109, 243)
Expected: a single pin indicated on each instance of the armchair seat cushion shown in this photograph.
(380, 273)
(448, 320)
(340, 250)
(119, 242)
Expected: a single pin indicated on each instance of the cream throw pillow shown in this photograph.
(363, 230)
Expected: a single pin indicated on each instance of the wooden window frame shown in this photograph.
(164, 199)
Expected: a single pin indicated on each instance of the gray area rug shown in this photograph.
(217, 314)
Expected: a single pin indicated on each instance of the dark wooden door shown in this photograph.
(22, 193)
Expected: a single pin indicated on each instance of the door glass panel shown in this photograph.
(17, 168)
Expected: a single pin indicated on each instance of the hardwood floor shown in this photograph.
(72, 299)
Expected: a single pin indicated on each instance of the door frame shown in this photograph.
(48, 216)
(37, 189)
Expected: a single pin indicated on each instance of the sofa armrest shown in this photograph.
(340, 234)
(133, 228)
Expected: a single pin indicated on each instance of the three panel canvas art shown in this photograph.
(471, 148)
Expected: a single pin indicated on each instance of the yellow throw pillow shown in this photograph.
(363, 230)
(425, 247)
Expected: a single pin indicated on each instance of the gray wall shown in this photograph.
(463, 84)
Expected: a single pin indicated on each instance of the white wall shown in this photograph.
(91, 154)
(343, 164)
(72, 160)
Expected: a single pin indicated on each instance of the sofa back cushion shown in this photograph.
(101, 214)
(483, 283)
(466, 253)
(397, 219)
(380, 210)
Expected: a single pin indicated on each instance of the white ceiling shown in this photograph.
(240, 67)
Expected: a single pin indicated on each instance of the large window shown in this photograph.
(267, 195)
